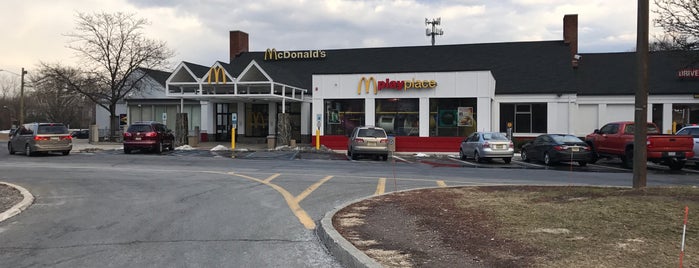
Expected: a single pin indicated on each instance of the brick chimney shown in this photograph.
(238, 43)
(570, 36)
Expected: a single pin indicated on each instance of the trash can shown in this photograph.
(193, 141)
(391, 143)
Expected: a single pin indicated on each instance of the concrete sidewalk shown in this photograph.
(83, 145)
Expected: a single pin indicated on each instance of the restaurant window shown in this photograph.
(398, 117)
(453, 117)
(342, 116)
(525, 117)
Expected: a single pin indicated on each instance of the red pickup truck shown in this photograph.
(616, 140)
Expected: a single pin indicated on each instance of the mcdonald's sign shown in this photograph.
(215, 72)
(367, 83)
(273, 54)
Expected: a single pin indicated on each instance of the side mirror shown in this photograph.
(596, 131)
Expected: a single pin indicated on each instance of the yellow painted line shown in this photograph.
(441, 184)
(301, 214)
(312, 188)
(381, 187)
(270, 178)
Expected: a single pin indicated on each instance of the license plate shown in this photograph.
(137, 138)
(54, 138)
(372, 144)
(575, 149)
(671, 153)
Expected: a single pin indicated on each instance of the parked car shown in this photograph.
(483, 146)
(40, 137)
(554, 148)
(148, 135)
(616, 139)
(80, 134)
(368, 140)
(694, 132)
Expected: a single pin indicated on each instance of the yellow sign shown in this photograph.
(368, 83)
(273, 54)
(215, 71)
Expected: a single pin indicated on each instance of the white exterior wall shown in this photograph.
(476, 84)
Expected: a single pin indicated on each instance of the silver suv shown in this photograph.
(40, 137)
(368, 140)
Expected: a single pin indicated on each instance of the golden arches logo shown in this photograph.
(215, 72)
(271, 54)
(367, 83)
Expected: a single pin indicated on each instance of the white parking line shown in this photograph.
(456, 159)
(528, 164)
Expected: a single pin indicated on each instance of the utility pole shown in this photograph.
(434, 31)
(640, 152)
(21, 98)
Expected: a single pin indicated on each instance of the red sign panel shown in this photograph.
(688, 73)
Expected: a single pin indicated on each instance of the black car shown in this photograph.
(80, 134)
(554, 148)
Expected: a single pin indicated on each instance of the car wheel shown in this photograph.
(547, 159)
(676, 165)
(9, 148)
(65, 152)
(127, 150)
(582, 163)
(524, 156)
(627, 159)
(507, 160)
(477, 157)
(349, 151)
(462, 156)
(354, 156)
(385, 157)
(28, 150)
(159, 147)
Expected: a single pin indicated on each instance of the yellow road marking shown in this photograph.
(312, 188)
(441, 184)
(270, 178)
(381, 187)
(301, 214)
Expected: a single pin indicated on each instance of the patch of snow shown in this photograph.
(220, 148)
(185, 148)
(421, 155)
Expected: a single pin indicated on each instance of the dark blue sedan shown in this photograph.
(554, 148)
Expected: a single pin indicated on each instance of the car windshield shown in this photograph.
(139, 128)
(370, 132)
(52, 129)
(495, 136)
(566, 139)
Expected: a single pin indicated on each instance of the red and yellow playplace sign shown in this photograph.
(400, 85)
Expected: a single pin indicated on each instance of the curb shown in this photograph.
(343, 251)
(19, 207)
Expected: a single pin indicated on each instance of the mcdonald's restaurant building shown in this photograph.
(428, 97)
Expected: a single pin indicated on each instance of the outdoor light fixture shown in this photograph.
(434, 31)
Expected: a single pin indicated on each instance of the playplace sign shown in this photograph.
(400, 85)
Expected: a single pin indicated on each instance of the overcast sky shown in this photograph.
(34, 30)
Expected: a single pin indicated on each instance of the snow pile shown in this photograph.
(185, 148)
(220, 148)
(421, 155)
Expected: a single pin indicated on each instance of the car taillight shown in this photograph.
(558, 148)
(151, 134)
(383, 141)
(648, 143)
(486, 145)
(127, 134)
(358, 140)
(39, 138)
(66, 138)
(587, 148)
(512, 145)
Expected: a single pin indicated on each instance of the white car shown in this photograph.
(694, 132)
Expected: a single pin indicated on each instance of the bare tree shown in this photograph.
(52, 100)
(111, 48)
(680, 21)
